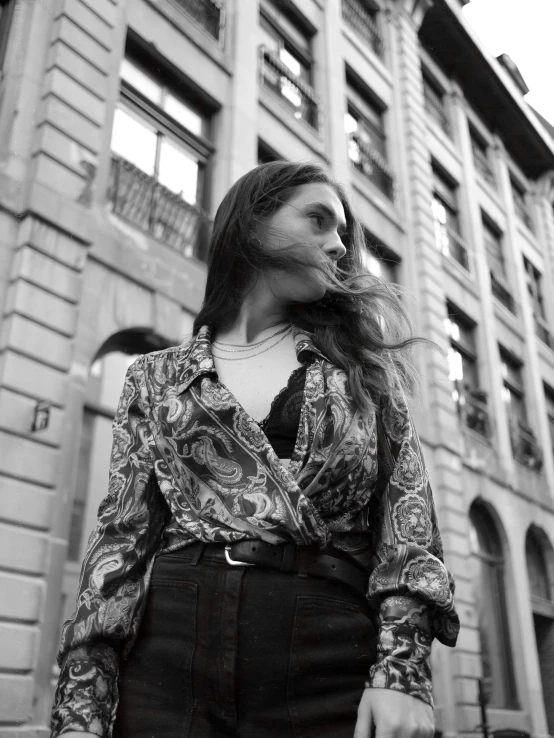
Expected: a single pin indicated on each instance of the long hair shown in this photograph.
(360, 324)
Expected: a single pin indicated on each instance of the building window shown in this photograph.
(434, 99)
(367, 143)
(549, 401)
(286, 63)
(524, 444)
(446, 220)
(379, 260)
(537, 568)
(487, 561)
(481, 160)
(520, 203)
(160, 146)
(534, 287)
(362, 17)
(500, 287)
(207, 13)
(470, 398)
(266, 153)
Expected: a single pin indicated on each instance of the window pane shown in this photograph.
(290, 61)
(141, 81)
(178, 171)
(183, 114)
(134, 140)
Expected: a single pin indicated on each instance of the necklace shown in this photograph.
(251, 356)
(239, 348)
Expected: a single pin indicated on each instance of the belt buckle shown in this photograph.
(232, 562)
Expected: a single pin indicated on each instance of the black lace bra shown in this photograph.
(281, 423)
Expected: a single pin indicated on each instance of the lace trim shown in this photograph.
(287, 388)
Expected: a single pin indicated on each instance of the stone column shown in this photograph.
(334, 71)
(437, 418)
(535, 399)
(238, 151)
(487, 325)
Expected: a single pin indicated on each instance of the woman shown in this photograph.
(251, 544)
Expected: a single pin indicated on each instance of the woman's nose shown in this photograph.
(334, 248)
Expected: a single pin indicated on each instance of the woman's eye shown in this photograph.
(318, 219)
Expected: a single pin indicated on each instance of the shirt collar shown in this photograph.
(196, 357)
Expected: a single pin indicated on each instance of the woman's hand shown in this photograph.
(394, 715)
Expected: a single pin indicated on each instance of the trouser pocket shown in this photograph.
(156, 698)
(332, 646)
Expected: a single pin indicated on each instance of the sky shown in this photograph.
(525, 31)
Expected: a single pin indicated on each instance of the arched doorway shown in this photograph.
(540, 569)
(488, 573)
(105, 382)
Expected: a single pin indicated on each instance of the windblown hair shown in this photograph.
(360, 324)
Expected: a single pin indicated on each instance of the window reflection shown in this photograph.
(135, 140)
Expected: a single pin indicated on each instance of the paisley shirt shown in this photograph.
(188, 463)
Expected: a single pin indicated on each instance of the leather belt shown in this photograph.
(304, 561)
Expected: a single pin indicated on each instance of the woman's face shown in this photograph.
(309, 226)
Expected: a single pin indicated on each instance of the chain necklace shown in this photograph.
(240, 348)
(251, 356)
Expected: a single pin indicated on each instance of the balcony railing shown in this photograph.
(361, 20)
(482, 166)
(524, 445)
(452, 244)
(502, 293)
(436, 110)
(292, 90)
(372, 164)
(472, 407)
(138, 198)
(207, 13)
(542, 331)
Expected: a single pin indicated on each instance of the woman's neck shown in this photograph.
(259, 315)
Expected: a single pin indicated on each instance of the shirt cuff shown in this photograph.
(86, 695)
(404, 649)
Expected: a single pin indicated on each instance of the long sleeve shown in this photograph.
(409, 583)
(114, 574)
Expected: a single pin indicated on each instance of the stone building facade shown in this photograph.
(122, 124)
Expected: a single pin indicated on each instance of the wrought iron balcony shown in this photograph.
(361, 20)
(437, 111)
(291, 89)
(140, 199)
(541, 329)
(472, 407)
(207, 13)
(501, 291)
(524, 445)
(371, 164)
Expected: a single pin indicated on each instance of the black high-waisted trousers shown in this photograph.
(245, 652)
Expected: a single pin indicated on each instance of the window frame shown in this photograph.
(490, 555)
(370, 114)
(285, 40)
(167, 126)
(438, 100)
